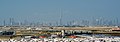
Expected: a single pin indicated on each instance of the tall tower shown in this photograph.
(11, 21)
(4, 24)
(117, 23)
(93, 21)
(60, 17)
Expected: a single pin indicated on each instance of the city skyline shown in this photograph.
(51, 10)
(93, 22)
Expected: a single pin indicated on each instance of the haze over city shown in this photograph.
(52, 10)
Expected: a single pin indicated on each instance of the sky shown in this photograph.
(51, 10)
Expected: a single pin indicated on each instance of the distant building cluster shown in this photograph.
(93, 22)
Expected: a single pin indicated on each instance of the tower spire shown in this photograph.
(60, 17)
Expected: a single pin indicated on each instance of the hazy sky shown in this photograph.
(50, 10)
